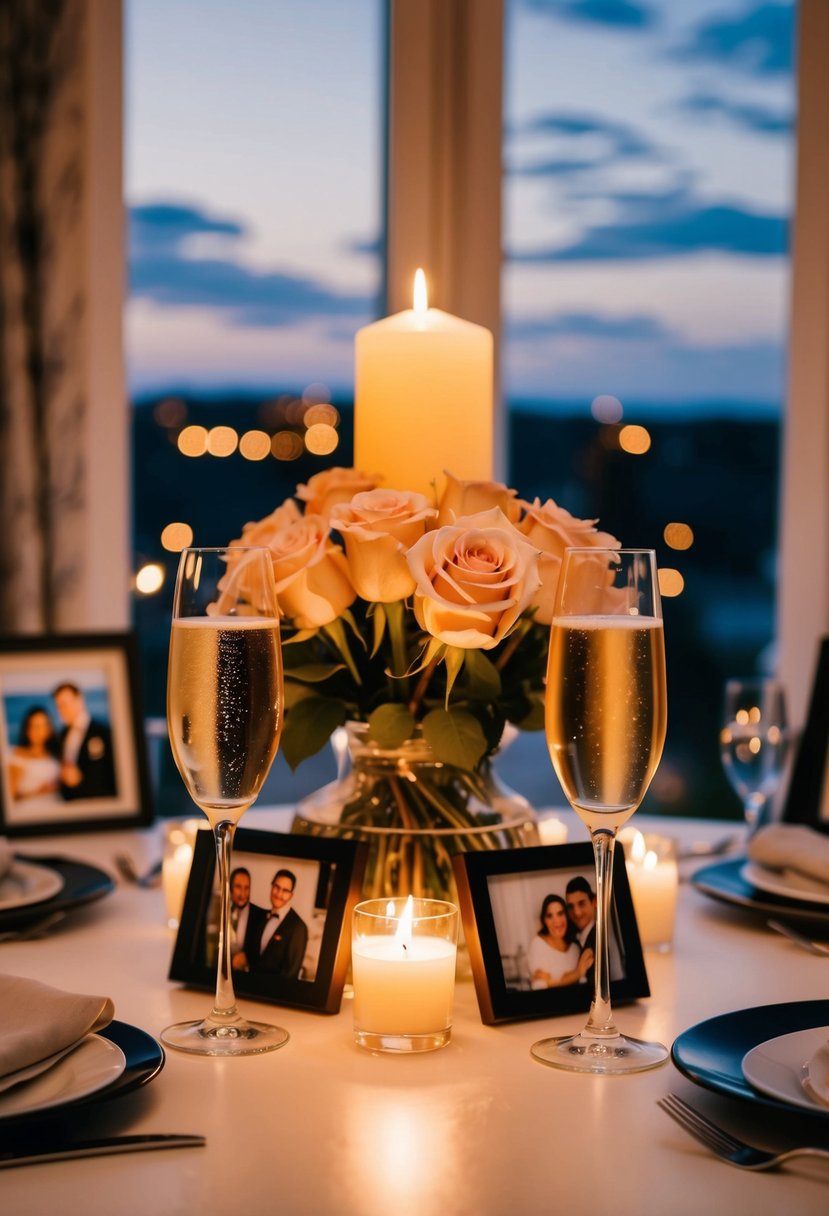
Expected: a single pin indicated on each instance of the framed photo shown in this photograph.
(298, 958)
(529, 920)
(807, 798)
(72, 748)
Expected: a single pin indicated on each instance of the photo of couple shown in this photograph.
(545, 923)
(279, 933)
(63, 750)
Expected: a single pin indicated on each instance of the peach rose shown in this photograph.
(324, 490)
(310, 571)
(552, 530)
(462, 498)
(378, 526)
(473, 579)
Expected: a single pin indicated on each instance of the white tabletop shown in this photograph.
(477, 1129)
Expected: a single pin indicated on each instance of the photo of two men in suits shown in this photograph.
(272, 940)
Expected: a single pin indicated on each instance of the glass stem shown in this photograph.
(225, 1005)
(600, 1023)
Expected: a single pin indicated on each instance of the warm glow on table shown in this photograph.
(423, 399)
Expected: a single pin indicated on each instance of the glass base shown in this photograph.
(211, 1038)
(585, 1053)
(402, 1043)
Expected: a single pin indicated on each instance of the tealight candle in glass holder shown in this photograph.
(179, 843)
(653, 874)
(403, 969)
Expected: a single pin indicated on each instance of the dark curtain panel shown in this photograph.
(42, 351)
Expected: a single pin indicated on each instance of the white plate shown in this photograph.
(776, 1067)
(26, 883)
(95, 1064)
(786, 883)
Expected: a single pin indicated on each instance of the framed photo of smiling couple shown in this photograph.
(529, 922)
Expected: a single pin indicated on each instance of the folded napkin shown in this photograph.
(37, 1021)
(791, 846)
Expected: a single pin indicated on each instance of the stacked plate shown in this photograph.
(34, 888)
(766, 1055)
(782, 893)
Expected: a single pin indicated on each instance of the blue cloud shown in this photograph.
(625, 14)
(763, 120)
(760, 40)
(605, 143)
(161, 270)
(634, 328)
(657, 227)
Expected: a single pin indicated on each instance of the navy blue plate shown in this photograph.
(725, 882)
(711, 1053)
(82, 884)
(145, 1060)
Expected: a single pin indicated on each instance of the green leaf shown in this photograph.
(455, 658)
(379, 616)
(482, 677)
(294, 693)
(303, 635)
(455, 737)
(390, 725)
(534, 720)
(308, 727)
(313, 673)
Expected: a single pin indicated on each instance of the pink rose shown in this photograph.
(310, 571)
(324, 490)
(378, 526)
(552, 530)
(462, 498)
(473, 579)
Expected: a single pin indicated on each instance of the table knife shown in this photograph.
(34, 1154)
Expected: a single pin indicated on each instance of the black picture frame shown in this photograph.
(108, 784)
(806, 799)
(329, 875)
(500, 895)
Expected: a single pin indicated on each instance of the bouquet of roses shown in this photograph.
(413, 617)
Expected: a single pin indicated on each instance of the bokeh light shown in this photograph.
(671, 582)
(678, 536)
(170, 412)
(177, 536)
(193, 441)
(328, 415)
(606, 408)
(634, 439)
(222, 441)
(316, 394)
(255, 445)
(321, 439)
(149, 579)
(286, 445)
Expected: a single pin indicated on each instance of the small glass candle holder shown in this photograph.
(403, 969)
(177, 858)
(653, 874)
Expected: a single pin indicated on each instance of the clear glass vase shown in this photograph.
(415, 813)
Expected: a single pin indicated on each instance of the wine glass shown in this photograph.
(224, 715)
(754, 742)
(605, 721)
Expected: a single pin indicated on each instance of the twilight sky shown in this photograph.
(648, 181)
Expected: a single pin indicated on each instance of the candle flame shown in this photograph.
(421, 298)
(650, 861)
(637, 848)
(403, 933)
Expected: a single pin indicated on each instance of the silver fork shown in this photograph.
(798, 938)
(721, 1142)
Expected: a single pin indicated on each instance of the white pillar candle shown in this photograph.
(653, 874)
(179, 844)
(551, 830)
(403, 969)
(423, 398)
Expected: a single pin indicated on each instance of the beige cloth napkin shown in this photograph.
(792, 846)
(36, 1021)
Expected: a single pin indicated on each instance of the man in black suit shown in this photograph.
(581, 908)
(87, 765)
(277, 939)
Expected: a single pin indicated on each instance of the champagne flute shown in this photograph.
(754, 743)
(224, 715)
(605, 721)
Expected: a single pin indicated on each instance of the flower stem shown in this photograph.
(423, 683)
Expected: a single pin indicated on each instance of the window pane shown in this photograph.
(253, 180)
(647, 195)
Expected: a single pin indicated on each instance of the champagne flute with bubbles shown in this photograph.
(606, 716)
(754, 743)
(224, 715)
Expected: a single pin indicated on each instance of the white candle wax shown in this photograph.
(175, 872)
(423, 399)
(552, 831)
(403, 989)
(654, 883)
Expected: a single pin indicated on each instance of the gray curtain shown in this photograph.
(42, 402)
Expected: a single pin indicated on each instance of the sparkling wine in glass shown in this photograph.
(605, 722)
(754, 743)
(224, 715)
